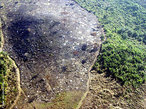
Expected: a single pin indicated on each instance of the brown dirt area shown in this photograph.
(106, 93)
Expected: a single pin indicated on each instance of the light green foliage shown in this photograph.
(123, 54)
(126, 16)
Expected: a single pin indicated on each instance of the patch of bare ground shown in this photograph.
(54, 44)
(106, 93)
(64, 100)
(22, 103)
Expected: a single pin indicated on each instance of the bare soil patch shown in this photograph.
(107, 93)
(53, 45)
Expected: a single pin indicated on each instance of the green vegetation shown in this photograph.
(123, 54)
(8, 84)
(125, 17)
(102, 37)
(124, 60)
(3, 69)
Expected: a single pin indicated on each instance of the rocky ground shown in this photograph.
(54, 44)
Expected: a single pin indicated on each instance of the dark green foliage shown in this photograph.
(123, 61)
(122, 56)
(102, 37)
(3, 70)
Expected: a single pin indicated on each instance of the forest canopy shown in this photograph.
(123, 53)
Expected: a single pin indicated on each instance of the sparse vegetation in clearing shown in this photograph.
(64, 100)
(106, 93)
(8, 77)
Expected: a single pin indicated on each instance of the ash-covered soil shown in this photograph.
(54, 44)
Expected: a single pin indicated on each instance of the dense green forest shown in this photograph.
(123, 54)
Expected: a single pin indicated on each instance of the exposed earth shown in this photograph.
(54, 43)
(106, 93)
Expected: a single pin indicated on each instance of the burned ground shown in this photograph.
(53, 46)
